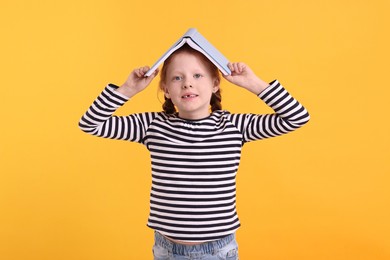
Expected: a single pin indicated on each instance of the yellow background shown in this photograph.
(319, 193)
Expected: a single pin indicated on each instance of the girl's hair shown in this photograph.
(215, 101)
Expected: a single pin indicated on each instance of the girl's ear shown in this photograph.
(166, 92)
(216, 84)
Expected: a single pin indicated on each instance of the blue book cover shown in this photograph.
(194, 39)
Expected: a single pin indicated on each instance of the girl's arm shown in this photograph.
(289, 113)
(99, 120)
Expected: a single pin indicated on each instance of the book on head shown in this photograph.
(196, 41)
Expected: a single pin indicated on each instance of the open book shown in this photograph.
(194, 39)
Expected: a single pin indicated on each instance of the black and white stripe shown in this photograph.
(194, 163)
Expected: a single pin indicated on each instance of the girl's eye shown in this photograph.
(177, 78)
(197, 76)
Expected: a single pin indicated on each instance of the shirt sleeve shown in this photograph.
(288, 115)
(99, 120)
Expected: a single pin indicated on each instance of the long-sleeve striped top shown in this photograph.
(194, 162)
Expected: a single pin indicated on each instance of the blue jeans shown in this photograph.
(225, 248)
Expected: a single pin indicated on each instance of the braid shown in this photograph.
(215, 101)
(168, 106)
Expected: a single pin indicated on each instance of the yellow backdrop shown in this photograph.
(319, 193)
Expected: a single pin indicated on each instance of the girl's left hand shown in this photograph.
(244, 77)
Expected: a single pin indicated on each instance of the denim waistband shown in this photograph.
(180, 249)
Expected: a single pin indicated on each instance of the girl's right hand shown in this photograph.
(136, 82)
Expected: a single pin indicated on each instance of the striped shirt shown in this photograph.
(194, 162)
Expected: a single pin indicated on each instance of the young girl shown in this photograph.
(195, 153)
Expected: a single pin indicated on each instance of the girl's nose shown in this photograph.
(187, 85)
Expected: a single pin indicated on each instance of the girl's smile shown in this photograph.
(189, 96)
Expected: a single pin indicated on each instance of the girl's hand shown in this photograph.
(244, 77)
(136, 82)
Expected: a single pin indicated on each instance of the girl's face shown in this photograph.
(189, 84)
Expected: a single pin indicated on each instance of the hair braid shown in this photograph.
(168, 106)
(215, 101)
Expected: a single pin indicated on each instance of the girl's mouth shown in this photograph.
(189, 96)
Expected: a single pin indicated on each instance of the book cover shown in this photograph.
(195, 40)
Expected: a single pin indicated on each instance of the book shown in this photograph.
(195, 40)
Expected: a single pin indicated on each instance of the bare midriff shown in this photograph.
(183, 242)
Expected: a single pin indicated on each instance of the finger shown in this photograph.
(228, 78)
(145, 69)
(230, 66)
(141, 71)
(137, 73)
(241, 67)
(237, 67)
(151, 77)
(154, 74)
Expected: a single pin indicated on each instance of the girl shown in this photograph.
(195, 153)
